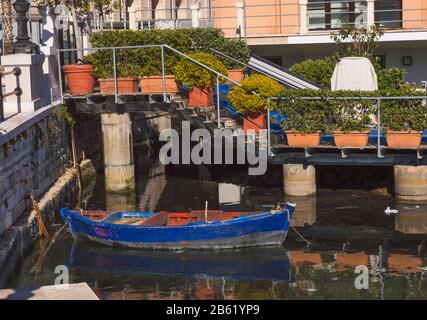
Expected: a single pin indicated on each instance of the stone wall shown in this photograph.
(30, 163)
(34, 159)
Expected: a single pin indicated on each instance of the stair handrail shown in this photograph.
(245, 65)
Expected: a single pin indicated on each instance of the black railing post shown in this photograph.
(23, 43)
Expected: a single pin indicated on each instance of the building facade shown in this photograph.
(289, 31)
(283, 31)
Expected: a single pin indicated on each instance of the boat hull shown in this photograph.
(263, 229)
(273, 238)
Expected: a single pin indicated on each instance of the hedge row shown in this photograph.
(146, 61)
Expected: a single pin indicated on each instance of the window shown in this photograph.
(388, 13)
(333, 14)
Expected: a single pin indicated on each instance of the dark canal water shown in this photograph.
(346, 227)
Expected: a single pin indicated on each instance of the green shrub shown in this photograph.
(391, 78)
(252, 96)
(147, 61)
(324, 113)
(320, 71)
(203, 39)
(404, 115)
(306, 116)
(193, 75)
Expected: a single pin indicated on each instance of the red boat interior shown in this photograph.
(165, 218)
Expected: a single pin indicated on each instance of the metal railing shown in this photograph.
(17, 91)
(162, 48)
(378, 107)
(286, 18)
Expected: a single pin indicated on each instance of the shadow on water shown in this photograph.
(347, 228)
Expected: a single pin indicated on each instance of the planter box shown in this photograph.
(303, 140)
(236, 75)
(124, 85)
(80, 79)
(403, 139)
(254, 122)
(154, 84)
(201, 97)
(351, 139)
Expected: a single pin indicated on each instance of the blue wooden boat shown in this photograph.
(174, 230)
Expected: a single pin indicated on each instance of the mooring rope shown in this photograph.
(291, 223)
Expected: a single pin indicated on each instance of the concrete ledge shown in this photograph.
(20, 122)
(77, 291)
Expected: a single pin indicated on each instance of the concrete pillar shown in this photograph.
(410, 183)
(132, 19)
(298, 181)
(118, 153)
(195, 15)
(303, 21)
(30, 81)
(240, 8)
(370, 13)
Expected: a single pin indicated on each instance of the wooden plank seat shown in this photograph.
(160, 219)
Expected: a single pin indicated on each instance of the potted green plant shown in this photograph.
(151, 72)
(127, 71)
(351, 119)
(154, 84)
(198, 79)
(127, 81)
(404, 120)
(305, 121)
(251, 99)
(80, 78)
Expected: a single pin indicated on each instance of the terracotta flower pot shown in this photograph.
(201, 97)
(154, 84)
(303, 140)
(403, 139)
(254, 122)
(80, 78)
(236, 75)
(351, 139)
(124, 85)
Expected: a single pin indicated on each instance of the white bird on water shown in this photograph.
(389, 211)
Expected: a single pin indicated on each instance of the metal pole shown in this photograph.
(379, 154)
(61, 90)
(268, 128)
(115, 77)
(163, 73)
(218, 103)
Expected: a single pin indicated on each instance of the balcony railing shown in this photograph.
(292, 17)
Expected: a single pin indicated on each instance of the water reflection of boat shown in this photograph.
(269, 263)
(195, 230)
